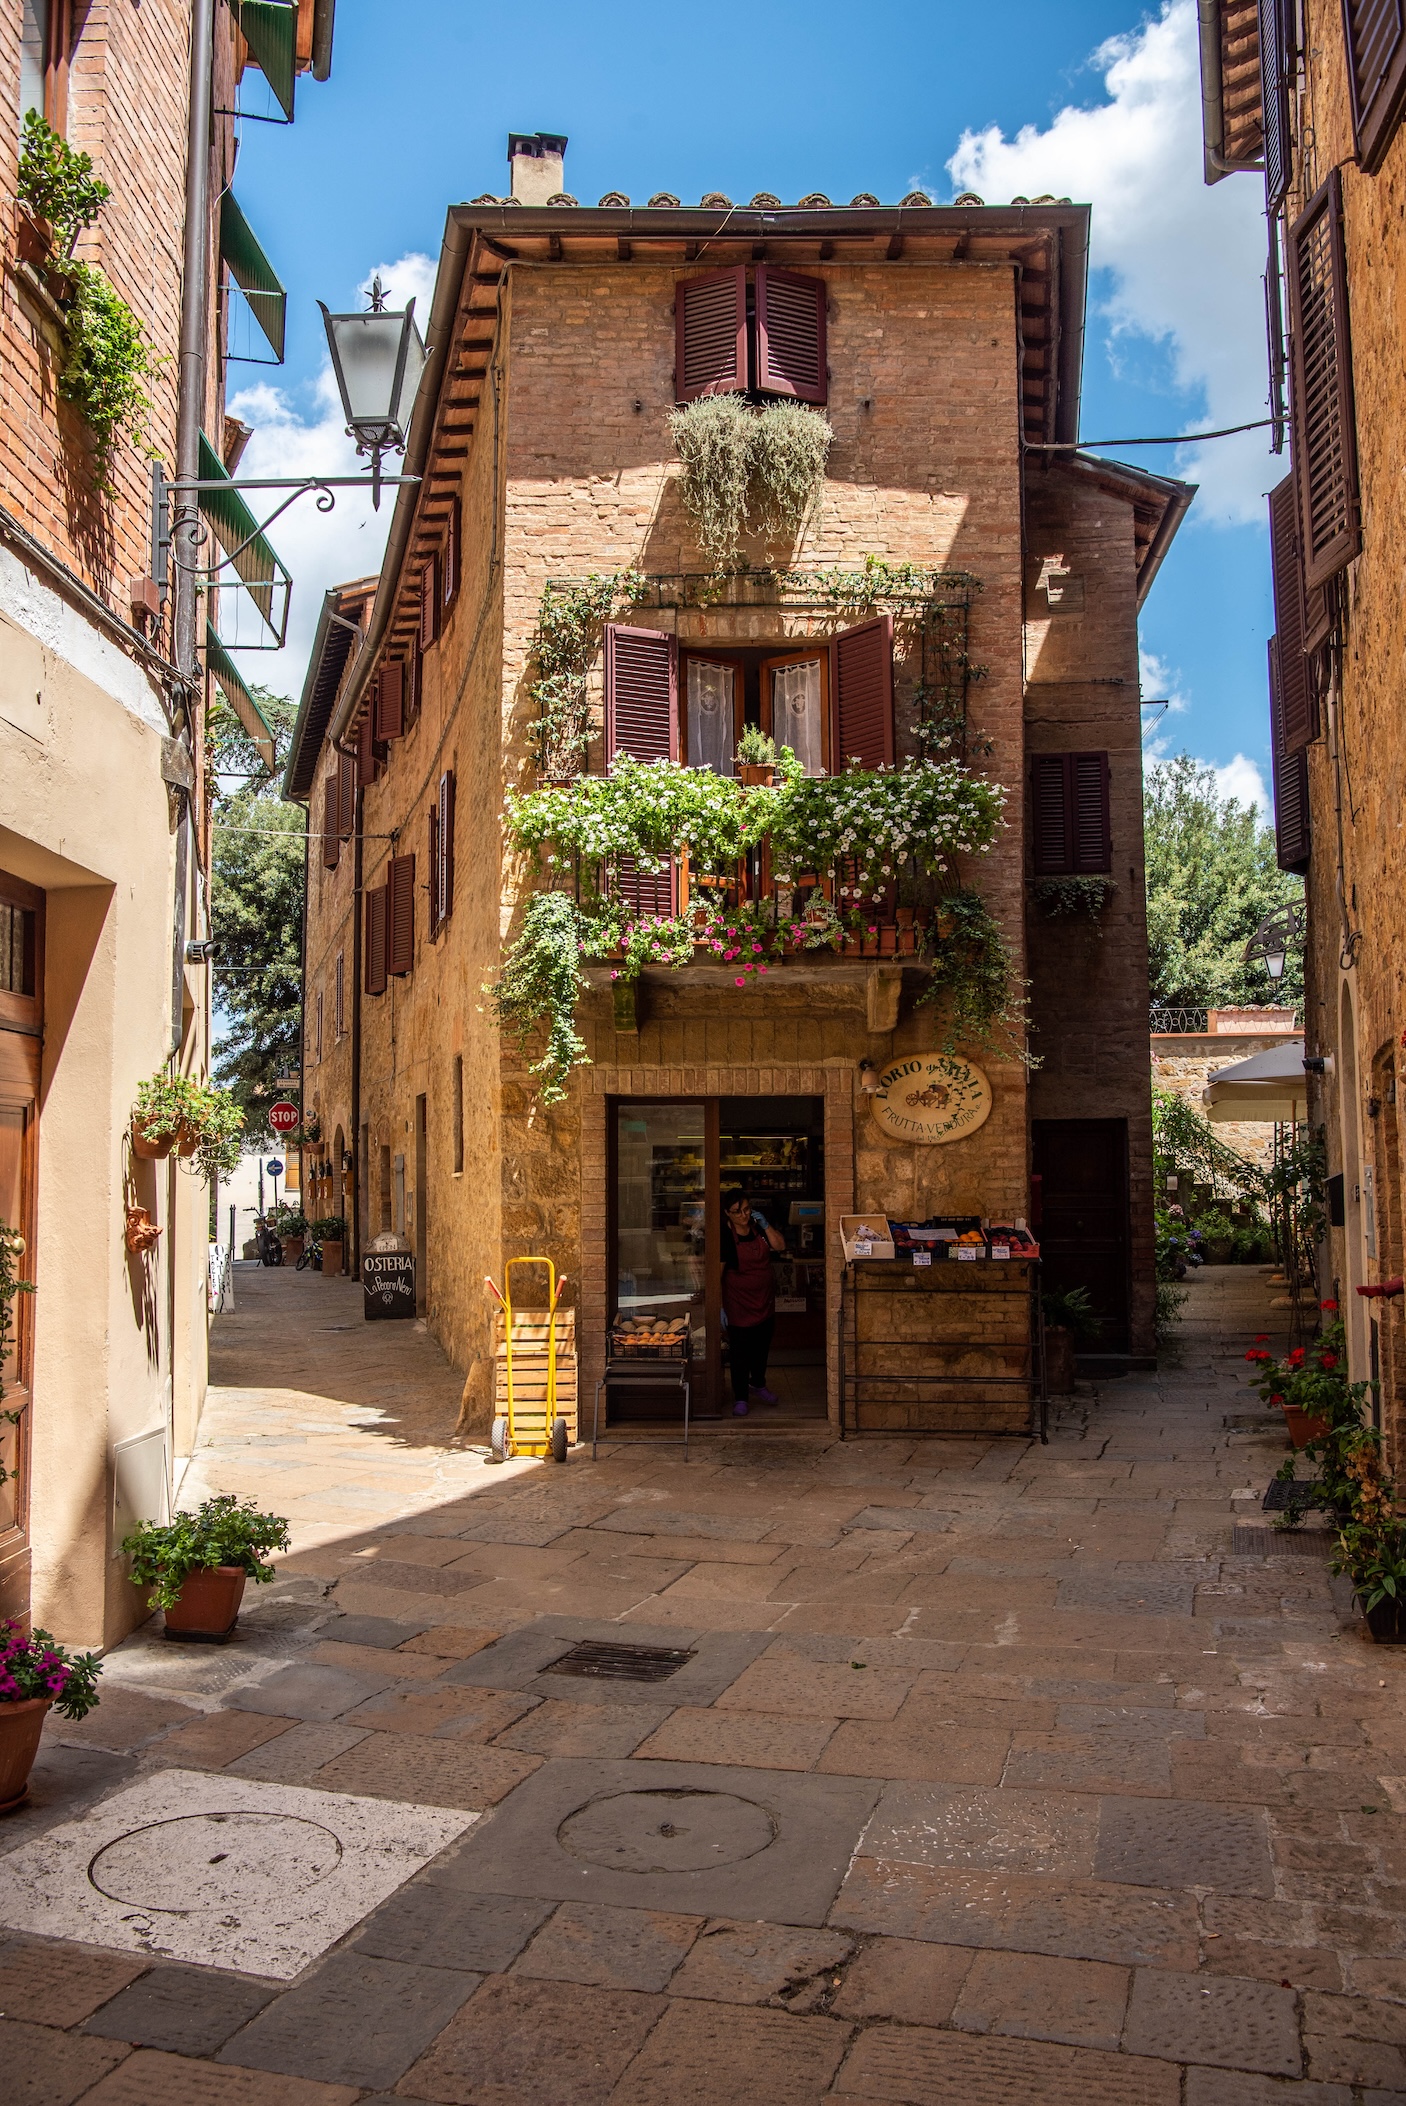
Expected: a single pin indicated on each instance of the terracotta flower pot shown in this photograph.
(903, 916)
(20, 1727)
(1387, 1623)
(208, 1604)
(331, 1258)
(153, 1149)
(1303, 1426)
(888, 942)
(292, 1249)
(34, 239)
(752, 777)
(187, 1138)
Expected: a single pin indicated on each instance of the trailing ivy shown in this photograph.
(539, 986)
(570, 623)
(786, 458)
(973, 976)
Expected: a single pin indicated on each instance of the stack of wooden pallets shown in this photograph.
(532, 1427)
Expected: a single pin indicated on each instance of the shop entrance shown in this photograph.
(1082, 1221)
(668, 1163)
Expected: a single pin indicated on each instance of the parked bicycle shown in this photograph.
(312, 1256)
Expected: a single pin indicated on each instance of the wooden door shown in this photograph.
(21, 1025)
(1082, 1165)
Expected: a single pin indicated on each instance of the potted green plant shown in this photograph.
(36, 1676)
(197, 1564)
(1069, 1316)
(1373, 1555)
(290, 1225)
(331, 1233)
(168, 1113)
(756, 758)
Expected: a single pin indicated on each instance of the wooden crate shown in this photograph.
(530, 1370)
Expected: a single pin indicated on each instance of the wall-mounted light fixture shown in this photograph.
(868, 1078)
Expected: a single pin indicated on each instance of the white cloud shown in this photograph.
(1161, 682)
(321, 549)
(1186, 261)
(1241, 779)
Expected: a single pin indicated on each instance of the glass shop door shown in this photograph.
(664, 1260)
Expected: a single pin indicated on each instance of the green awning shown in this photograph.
(230, 681)
(253, 273)
(270, 29)
(235, 528)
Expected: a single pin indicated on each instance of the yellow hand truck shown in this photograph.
(534, 1366)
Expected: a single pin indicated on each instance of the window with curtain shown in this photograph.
(797, 704)
(711, 716)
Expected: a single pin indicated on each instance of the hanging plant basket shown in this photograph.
(34, 240)
(151, 1148)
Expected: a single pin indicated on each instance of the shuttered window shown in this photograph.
(1276, 56)
(1291, 819)
(366, 766)
(449, 562)
(790, 335)
(642, 719)
(442, 868)
(429, 603)
(1325, 441)
(400, 933)
(390, 703)
(861, 696)
(1374, 33)
(1298, 700)
(1071, 833)
(317, 1052)
(377, 924)
(710, 335)
(331, 823)
(346, 795)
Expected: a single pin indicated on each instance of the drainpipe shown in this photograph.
(355, 1135)
(194, 324)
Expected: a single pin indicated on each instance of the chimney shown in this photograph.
(537, 163)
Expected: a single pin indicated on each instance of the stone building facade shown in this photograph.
(1319, 122)
(953, 348)
(104, 836)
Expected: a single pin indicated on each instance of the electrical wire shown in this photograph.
(1186, 438)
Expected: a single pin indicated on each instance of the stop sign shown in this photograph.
(283, 1117)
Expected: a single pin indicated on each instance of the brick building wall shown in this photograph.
(571, 472)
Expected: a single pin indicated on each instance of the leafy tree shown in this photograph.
(1211, 880)
(256, 911)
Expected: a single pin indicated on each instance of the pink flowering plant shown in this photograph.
(36, 1666)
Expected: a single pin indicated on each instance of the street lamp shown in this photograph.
(378, 357)
(1273, 939)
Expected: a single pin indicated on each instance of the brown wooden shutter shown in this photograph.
(791, 334)
(1325, 439)
(449, 581)
(366, 749)
(443, 866)
(1298, 701)
(377, 923)
(1291, 816)
(1093, 833)
(434, 869)
(340, 1010)
(1276, 52)
(331, 822)
(710, 334)
(1050, 833)
(400, 935)
(429, 603)
(1374, 34)
(642, 719)
(1070, 825)
(346, 795)
(390, 703)
(861, 696)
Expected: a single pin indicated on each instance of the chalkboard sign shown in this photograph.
(388, 1284)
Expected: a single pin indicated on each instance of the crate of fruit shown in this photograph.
(650, 1338)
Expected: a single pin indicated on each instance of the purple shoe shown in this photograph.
(739, 1409)
(765, 1396)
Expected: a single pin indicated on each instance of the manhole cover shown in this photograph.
(1285, 1492)
(596, 1658)
(667, 1831)
(236, 1861)
(1282, 1542)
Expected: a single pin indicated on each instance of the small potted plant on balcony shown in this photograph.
(331, 1233)
(36, 1676)
(197, 1564)
(756, 759)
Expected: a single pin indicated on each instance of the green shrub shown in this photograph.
(221, 1532)
(57, 184)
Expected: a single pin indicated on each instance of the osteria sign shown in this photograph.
(931, 1097)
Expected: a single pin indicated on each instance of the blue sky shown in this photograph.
(1027, 98)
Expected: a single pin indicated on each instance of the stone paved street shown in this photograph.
(993, 1772)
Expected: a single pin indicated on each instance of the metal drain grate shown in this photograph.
(1285, 1492)
(599, 1660)
(1282, 1542)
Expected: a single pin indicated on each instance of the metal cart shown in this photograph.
(646, 1372)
